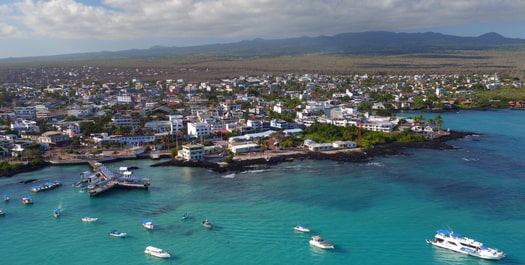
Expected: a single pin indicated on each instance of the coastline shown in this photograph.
(247, 162)
(359, 156)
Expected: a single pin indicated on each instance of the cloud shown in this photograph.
(131, 19)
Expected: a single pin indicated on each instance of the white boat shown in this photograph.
(301, 228)
(148, 224)
(2, 212)
(157, 252)
(6, 197)
(454, 241)
(27, 200)
(317, 241)
(207, 224)
(116, 233)
(89, 219)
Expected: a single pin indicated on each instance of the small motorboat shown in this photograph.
(148, 224)
(317, 241)
(301, 228)
(56, 212)
(2, 213)
(207, 224)
(157, 252)
(89, 219)
(116, 233)
(185, 216)
(27, 200)
(6, 197)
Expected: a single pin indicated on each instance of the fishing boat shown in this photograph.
(56, 212)
(116, 233)
(89, 219)
(456, 242)
(301, 228)
(207, 224)
(2, 213)
(157, 252)
(148, 224)
(6, 197)
(319, 242)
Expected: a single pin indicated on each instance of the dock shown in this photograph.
(109, 180)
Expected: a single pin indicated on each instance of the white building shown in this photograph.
(198, 129)
(25, 125)
(124, 99)
(244, 148)
(344, 144)
(176, 123)
(192, 152)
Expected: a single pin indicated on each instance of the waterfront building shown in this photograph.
(192, 152)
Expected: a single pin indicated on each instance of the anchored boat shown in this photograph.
(456, 242)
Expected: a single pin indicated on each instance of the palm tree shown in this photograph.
(439, 122)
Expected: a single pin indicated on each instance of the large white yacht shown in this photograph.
(454, 241)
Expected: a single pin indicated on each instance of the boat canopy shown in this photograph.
(147, 221)
(448, 233)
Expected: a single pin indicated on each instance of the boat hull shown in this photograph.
(467, 251)
(301, 229)
(157, 252)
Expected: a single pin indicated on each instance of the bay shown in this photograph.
(379, 212)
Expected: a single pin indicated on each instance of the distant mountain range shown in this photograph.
(363, 43)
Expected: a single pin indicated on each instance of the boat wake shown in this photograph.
(254, 171)
(375, 164)
(469, 159)
(228, 176)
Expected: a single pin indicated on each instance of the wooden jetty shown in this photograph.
(112, 179)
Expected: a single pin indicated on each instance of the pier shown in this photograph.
(109, 179)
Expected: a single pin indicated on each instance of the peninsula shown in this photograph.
(249, 162)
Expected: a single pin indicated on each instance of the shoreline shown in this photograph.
(246, 162)
(351, 155)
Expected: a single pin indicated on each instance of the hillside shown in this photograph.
(363, 43)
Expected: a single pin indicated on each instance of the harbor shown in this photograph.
(103, 179)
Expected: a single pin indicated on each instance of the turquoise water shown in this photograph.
(375, 213)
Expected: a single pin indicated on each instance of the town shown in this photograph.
(61, 115)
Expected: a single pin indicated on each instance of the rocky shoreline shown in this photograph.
(341, 156)
(239, 165)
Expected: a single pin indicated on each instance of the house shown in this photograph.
(344, 144)
(244, 148)
(316, 147)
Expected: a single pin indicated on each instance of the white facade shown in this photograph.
(198, 129)
(245, 148)
(124, 99)
(192, 152)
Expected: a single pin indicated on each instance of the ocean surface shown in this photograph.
(379, 212)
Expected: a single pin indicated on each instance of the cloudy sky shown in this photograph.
(47, 27)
